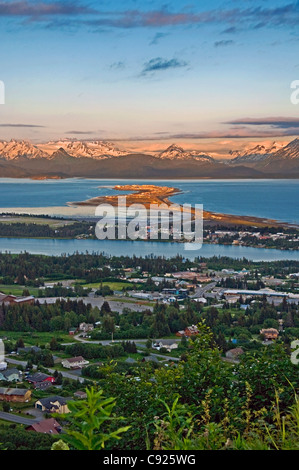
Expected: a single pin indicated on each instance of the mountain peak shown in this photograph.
(294, 143)
(20, 148)
(254, 154)
(175, 147)
(175, 152)
(97, 149)
(289, 152)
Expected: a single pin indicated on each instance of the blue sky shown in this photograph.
(149, 71)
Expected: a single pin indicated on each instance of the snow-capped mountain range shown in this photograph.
(255, 154)
(90, 149)
(14, 149)
(275, 158)
(99, 159)
(98, 149)
(290, 151)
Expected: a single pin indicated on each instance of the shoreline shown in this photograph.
(151, 194)
(144, 194)
(150, 241)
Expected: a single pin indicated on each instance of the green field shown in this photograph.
(36, 338)
(16, 289)
(23, 219)
(114, 285)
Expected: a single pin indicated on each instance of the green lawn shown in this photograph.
(16, 289)
(34, 338)
(107, 360)
(5, 423)
(114, 285)
(23, 219)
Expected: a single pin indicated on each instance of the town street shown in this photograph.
(18, 419)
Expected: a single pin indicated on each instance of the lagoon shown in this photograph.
(139, 248)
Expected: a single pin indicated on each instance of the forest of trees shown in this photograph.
(31, 230)
(60, 316)
(27, 269)
(200, 403)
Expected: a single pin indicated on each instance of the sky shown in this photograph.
(207, 75)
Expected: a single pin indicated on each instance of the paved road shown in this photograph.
(104, 342)
(200, 291)
(107, 342)
(68, 375)
(17, 419)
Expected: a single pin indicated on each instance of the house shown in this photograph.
(12, 299)
(80, 394)
(269, 333)
(150, 359)
(168, 344)
(6, 299)
(24, 300)
(74, 362)
(200, 300)
(189, 331)
(72, 331)
(43, 385)
(169, 290)
(40, 377)
(11, 375)
(234, 353)
(28, 349)
(46, 426)
(86, 327)
(53, 404)
(22, 395)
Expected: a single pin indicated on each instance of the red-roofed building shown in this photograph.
(189, 331)
(12, 299)
(46, 426)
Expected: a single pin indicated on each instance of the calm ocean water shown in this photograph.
(274, 199)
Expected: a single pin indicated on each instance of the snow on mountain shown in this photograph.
(255, 154)
(15, 149)
(289, 152)
(77, 149)
(273, 157)
(174, 152)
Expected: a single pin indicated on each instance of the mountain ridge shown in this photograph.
(74, 158)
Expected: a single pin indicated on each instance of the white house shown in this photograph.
(168, 344)
(74, 362)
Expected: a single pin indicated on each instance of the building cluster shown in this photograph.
(247, 238)
(272, 296)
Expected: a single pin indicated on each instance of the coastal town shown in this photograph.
(149, 229)
(61, 335)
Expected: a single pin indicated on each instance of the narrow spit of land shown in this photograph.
(145, 194)
(151, 194)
